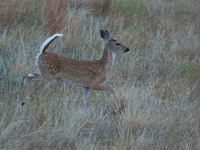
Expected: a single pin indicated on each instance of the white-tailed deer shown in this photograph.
(87, 74)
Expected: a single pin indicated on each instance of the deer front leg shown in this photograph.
(105, 87)
(86, 94)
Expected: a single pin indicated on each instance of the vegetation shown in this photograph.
(157, 82)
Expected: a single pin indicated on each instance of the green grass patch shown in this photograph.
(127, 7)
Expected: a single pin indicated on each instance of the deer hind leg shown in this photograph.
(86, 94)
(30, 77)
(105, 87)
(41, 87)
(34, 77)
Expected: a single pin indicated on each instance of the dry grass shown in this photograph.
(158, 82)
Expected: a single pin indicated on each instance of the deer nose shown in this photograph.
(126, 50)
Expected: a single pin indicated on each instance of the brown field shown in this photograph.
(157, 82)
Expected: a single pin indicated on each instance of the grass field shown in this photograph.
(157, 82)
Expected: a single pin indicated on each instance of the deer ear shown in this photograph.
(105, 35)
(102, 33)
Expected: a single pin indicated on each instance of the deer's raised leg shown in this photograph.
(41, 87)
(105, 87)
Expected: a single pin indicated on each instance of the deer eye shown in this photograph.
(117, 44)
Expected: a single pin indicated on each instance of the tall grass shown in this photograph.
(157, 82)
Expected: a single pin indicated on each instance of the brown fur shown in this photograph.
(87, 74)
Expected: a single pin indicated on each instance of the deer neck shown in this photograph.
(108, 58)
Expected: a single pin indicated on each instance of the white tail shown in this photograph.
(87, 74)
